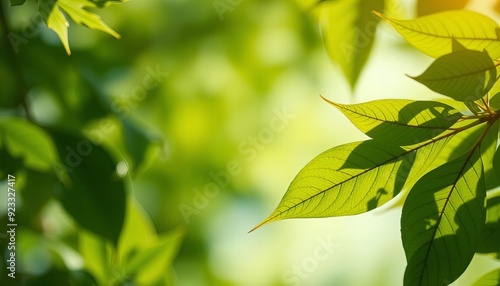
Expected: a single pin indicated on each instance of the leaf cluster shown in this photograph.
(439, 159)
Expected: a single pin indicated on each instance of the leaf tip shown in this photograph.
(266, 221)
(378, 14)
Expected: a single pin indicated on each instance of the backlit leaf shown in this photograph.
(400, 121)
(352, 179)
(348, 29)
(434, 34)
(489, 279)
(17, 2)
(495, 101)
(488, 148)
(426, 7)
(442, 221)
(491, 235)
(496, 163)
(93, 194)
(462, 75)
(51, 11)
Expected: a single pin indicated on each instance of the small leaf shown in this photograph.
(462, 75)
(152, 262)
(489, 279)
(399, 121)
(442, 220)
(76, 9)
(426, 7)
(348, 29)
(93, 195)
(491, 235)
(434, 34)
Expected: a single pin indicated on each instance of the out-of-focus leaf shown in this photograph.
(399, 121)
(489, 279)
(137, 141)
(442, 221)
(106, 3)
(36, 190)
(17, 2)
(353, 178)
(94, 195)
(22, 139)
(462, 75)
(434, 34)
(77, 10)
(97, 254)
(426, 7)
(491, 234)
(348, 29)
(153, 262)
(496, 163)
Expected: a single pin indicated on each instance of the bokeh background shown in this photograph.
(215, 162)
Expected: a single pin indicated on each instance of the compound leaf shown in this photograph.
(463, 75)
(400, 121)
(434, 34)
(442, 221)
(348, 30)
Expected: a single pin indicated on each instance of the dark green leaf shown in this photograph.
(92, 194)
(136, 141)
(496, 163)
(463, 75)
(426, 7)
(17, 2)
(488, 148)
(442, 221)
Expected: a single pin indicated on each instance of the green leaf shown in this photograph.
(434, 34)
(496, 163)
(352, 179)
(491, 234)
(348, 30)
(495, 101)
(17, 2)
(489, 279)
(22, 139)
(426, 7)
(462, 75)
(137, 141)
(76, 9)
(488, 147)
(442, 220)
(153, 262)
(399, 121)
(92, 194)
(97, 254)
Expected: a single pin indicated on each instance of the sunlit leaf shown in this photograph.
(399, 121)
(434, 34)
(153, 262)
(97, 254)
(488, 147)
(442, 220)
(491, 235)
(348, 29)
(426, 7)
(352, 179)
(77, 10)
(496, 163)
(26, 141)
(462, 75)
(489, 279)
(94, 195)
